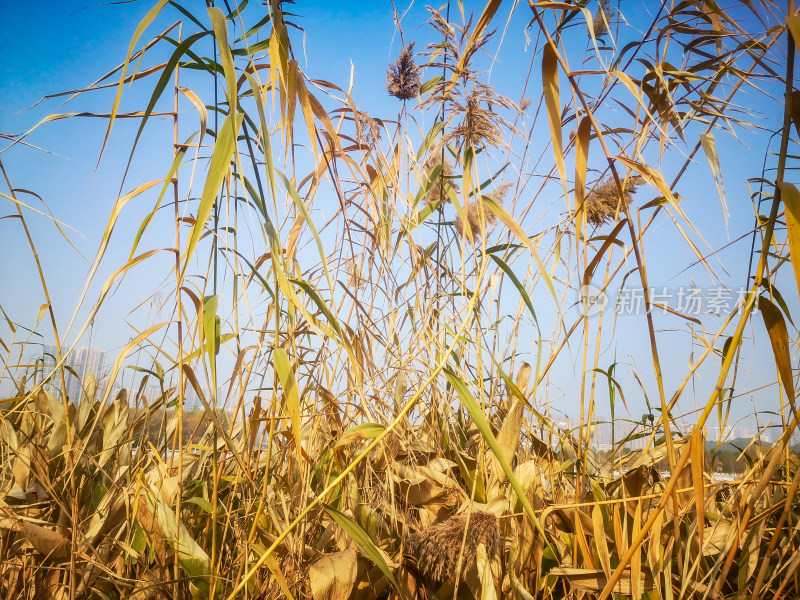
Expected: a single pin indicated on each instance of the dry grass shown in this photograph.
(371, 409)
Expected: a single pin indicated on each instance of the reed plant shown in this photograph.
(370, 307)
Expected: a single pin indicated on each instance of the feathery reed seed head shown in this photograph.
(601, 203)
(402, 76)
(602, 18)
(368, 129)
(473, 211)
(437, 548)
(440, 188)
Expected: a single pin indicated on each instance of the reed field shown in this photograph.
(375, 311)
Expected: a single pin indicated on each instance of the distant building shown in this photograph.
(684, 428)
(638, 443)
(722, 434)
(84, 361)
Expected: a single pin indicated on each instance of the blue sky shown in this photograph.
(55, 46)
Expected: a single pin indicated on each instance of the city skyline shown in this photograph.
(92, 360)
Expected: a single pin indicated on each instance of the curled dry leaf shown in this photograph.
(420, 485)
(593, 580)
(332, 576)
(508, 439)
(47, 542)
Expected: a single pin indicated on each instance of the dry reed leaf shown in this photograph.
(333, 576)
(719, 539)
(566, 519)
(408, 586)
(420, 486)
(553, 103)
(791, 202)
(523, 377)
(581, 158)
(600, 540)
(697, 442)
(483, 564)
(21, 467)
(652, 456)
(47, 542)
(593, 581)
(530, 476)
(508, 439)
(779, 338)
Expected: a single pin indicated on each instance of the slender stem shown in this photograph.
(761, 270)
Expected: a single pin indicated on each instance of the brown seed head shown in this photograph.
(368, 129)
(602, 18)
(473, 211)
(437, 548)
(601, 203)
(402, 76)
(441, 187)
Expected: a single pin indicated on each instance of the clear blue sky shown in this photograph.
(57, 46)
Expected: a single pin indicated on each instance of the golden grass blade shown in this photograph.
(360, 537)
(581, 158)
(211, 334)
(553, 103)
(779, 338)
(143, 24)
(298, 202)
(791, 202)
(710, 148)
(291, 395)
(698, 454)
(220, 26)
(176, 163)
(501, 214)
(220, 164)
(360, 432)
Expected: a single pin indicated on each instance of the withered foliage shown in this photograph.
(362, 376)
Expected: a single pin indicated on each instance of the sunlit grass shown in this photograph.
(378, 425)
